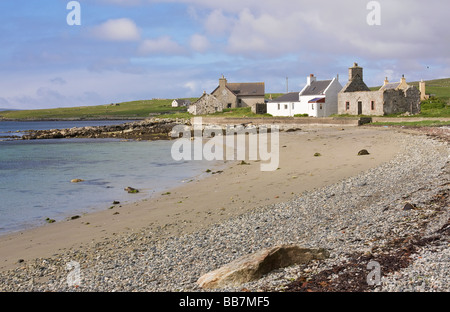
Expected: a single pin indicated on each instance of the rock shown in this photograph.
(408, 206)
(131, 190)
(74, 217)
(116, 202)
(317, 155)
(76, 180)
(363, 152)
(254, 266)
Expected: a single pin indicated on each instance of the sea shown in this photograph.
(35, 175)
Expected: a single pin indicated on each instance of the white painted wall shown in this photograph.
(330, 106)
(331, 94)
(283, 109)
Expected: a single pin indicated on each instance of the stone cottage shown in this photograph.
(205, 105)
(233, 95)
(229, 95)
(392, 98)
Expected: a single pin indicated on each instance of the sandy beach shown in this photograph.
(232, 191)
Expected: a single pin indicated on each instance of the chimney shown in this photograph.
(386, 81)
(222, 82)
(354, 72)
(403, 79)
(422, 88)
(310, 79)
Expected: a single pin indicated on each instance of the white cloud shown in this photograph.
(122, 29)
(217, 23)
(162, 45)
(199, 43)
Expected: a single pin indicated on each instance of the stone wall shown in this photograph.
(225, 96)
(366, 97)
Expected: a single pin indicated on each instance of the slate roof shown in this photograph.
(389, 86)
(250, 88)
(316, 87)
(288, 97)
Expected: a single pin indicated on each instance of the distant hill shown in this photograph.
(8, 109)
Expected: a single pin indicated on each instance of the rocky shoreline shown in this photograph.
(149, 129)
(396, 215)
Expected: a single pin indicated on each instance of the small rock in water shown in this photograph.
(76, 180)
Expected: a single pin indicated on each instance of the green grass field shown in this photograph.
(134, 109)
(424, 123)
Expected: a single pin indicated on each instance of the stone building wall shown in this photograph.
(225, 96)
(366, 98)
(401, 101)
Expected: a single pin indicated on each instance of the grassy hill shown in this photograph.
(134, 109)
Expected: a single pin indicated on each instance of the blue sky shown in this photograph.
(143, 49)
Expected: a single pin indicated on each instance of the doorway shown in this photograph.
(359, 108)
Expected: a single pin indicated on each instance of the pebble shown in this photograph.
(361, 213)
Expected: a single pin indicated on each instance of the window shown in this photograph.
(278, 106)
(229, 105)
(292, 105)
(285, 106)
(347, 105)
(320, 105)
(312, 106)
(372, 105)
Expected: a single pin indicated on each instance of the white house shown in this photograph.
(285, 105)
(317, 99)
(180, 103)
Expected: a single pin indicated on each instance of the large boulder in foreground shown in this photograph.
(254, 266)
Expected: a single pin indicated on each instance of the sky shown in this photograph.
(126, 50)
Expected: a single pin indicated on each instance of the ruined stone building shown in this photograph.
(392, 98)
(205, 105)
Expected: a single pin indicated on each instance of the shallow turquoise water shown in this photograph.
(35, 177)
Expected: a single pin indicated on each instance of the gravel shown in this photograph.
(357, 219)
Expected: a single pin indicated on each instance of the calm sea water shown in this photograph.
(35, 175)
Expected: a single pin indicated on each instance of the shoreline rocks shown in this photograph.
(151, 129)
